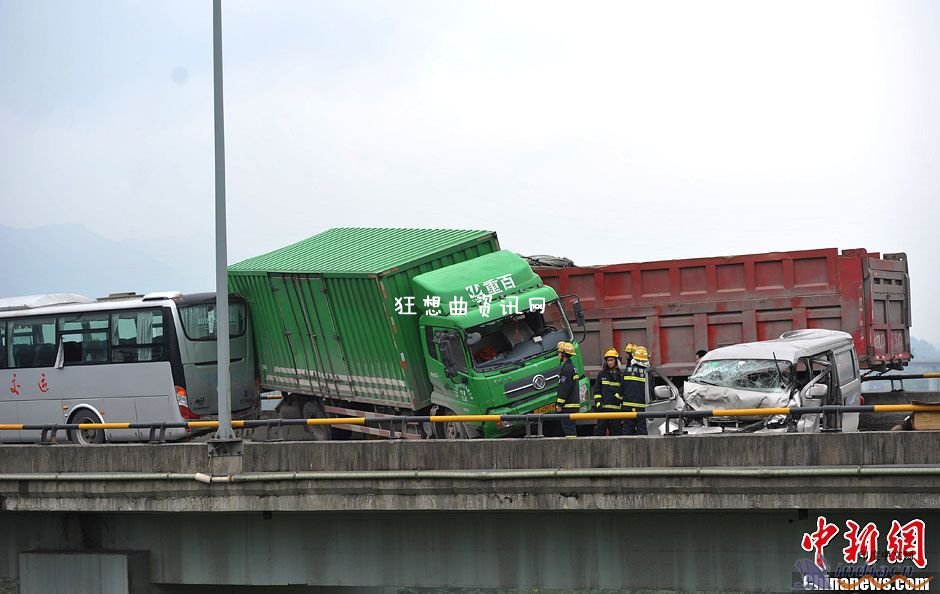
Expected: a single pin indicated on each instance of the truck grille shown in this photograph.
(534, 383)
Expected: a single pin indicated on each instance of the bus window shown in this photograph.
(199, 320)
(32, 343)
(137, 336)
(84, 338)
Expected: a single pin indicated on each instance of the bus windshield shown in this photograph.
(198, 320)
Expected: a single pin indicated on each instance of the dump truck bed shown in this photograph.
(677, 307)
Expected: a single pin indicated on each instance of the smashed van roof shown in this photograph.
(791, 346)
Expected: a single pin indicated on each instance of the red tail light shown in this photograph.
(182, 400)
(861, 400)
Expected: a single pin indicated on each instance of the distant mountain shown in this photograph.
(73, 259)
(924, 351)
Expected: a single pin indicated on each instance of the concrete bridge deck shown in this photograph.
(882, 470)
(717, 513)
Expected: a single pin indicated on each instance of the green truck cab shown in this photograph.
(372, 322)
(498, 357)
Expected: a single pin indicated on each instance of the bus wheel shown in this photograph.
(85, 436)
(451, 429)
(311, 409)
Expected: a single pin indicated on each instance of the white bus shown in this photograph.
(124, 358)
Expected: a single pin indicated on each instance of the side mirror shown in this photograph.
(818, 391)
(663, 393)
(579, 313)
(447, 354)
(447, 358)
(473, 338)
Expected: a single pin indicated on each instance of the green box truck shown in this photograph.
(371, 322)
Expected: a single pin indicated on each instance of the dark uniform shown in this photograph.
(634, 398)
(568, 396)
(607, 398)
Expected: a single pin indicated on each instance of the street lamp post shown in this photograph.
(224, 442)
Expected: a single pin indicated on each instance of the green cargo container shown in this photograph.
(323, 311)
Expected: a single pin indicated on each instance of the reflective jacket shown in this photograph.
(607, 388)
(634, 387)
(568, 388)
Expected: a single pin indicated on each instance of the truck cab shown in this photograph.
(498, 355)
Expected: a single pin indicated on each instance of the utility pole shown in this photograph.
(224, 442)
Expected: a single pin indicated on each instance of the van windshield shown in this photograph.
(758, 375)
(513, 339)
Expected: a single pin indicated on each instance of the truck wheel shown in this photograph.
(450, 430)
(311, 409)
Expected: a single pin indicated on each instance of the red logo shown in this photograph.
(818, 540)
(861, 543)
(904, 542)
(907, 542)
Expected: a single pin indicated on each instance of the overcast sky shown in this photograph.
(605, 132)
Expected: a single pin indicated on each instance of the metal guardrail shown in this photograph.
(157, 430)
(911, 376)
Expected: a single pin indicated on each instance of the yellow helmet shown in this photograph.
(566, 348)
(612, 352)
(629, 348)
(641, 355)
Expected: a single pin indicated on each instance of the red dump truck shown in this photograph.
(678, 307)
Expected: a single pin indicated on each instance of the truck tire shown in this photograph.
(312, 409)
(450, 430)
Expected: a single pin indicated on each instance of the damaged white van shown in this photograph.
(801, 368)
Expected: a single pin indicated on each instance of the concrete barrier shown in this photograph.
(745, 450)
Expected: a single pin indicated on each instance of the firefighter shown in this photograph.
(628, 353)
(607, 396)
(567, 400)
(634, 391)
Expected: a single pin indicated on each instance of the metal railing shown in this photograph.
(910, 376)
(158, 430)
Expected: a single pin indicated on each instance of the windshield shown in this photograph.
(759, 375)
(513, 339)
(199, 320)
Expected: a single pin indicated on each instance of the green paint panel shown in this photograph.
(475, 317)
(353, 251)
(495, 275)
(323, 311)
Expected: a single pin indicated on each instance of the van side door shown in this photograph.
(850, 385)
(815, 378)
